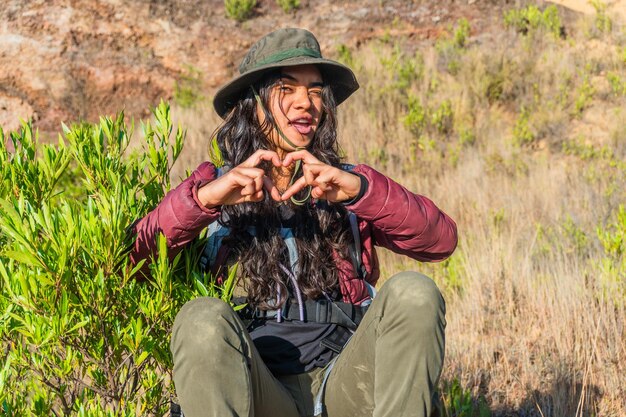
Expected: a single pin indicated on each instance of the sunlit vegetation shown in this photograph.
(520, 136)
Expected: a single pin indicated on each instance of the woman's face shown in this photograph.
(296, 105)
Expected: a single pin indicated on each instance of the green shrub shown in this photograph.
(345, 55)
(612, 266)
(79, 334)
(451, 49)
(585, 95)
(467, 136)
(603, 22)
(442, 118)
(239, 10)
(494, 87)
(405, 70)
(586, 151)
(522, 133)
(461, 33)
(34, 182)
(429, 126)
(215, 154)
(618, 86)
(575, 241)
(551, 20)
(458, 402)
(409, 71)
(187, 88)
(454, 272)
(288, 5)
(416, 117)
(530, 19)
(613, 236)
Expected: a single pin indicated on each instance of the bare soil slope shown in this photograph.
(64, 60)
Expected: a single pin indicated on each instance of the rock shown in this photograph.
(11, 106)
(76, 60)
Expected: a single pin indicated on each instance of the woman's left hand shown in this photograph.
(327, 182)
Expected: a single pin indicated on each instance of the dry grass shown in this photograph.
(532, 323)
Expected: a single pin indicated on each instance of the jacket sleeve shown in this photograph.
(179, 216)
(402, 221)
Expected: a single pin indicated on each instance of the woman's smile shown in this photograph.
(304, 125)
(296, 105)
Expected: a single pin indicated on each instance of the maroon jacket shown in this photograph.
(389, 216)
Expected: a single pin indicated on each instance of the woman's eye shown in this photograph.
(315, 92)
(285, 88)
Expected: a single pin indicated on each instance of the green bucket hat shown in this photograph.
(284, 48)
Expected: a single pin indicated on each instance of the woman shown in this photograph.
(302, 227)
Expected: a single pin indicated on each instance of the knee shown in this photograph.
(416, 296)
(201, 325)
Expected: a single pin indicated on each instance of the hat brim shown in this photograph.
(340, 78)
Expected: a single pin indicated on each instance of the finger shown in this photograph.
(256, 197)
(302, 155)
(324, 186)
(238, 179)
(323, 177)
(261, 155)
(319, 174)
(309, 172)
(250, 171)
(249, 189)
(294, 189)
(318, 193)
(258, 183)
(268, 184)
(243, 176)
(247, 185)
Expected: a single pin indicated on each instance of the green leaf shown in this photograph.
(142, 357)
(25, 258)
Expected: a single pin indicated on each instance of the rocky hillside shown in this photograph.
(64, 60)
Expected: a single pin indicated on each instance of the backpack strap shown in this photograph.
(219, 171)
(213, 247)
(290, 241)
(355, 248)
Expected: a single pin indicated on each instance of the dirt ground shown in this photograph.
(67, 60)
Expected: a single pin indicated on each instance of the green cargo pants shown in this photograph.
(390, 367)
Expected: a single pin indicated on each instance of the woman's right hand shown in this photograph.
(244, 183)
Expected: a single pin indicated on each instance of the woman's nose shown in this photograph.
(302, 99)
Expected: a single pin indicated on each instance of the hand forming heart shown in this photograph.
(327, 182)
(247, 183)
(244, 183)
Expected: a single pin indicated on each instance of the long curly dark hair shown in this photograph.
(321, 230)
